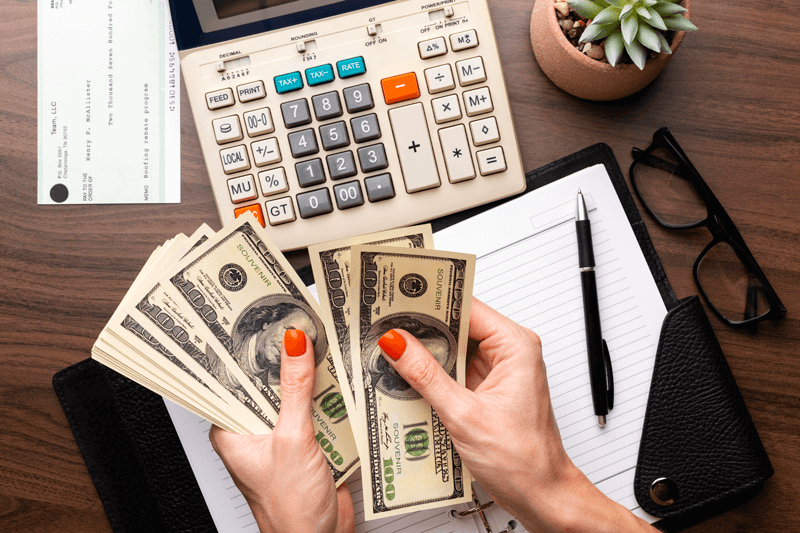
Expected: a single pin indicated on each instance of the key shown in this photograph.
(314, 203)
(341, 165)
(255, 209)
(303, 143)
(266, 152)
(296, 113)
(432, 48)
(234, 159)
(365, 128)
(280, 211)
(379, 187)
(484, 131)
(242, 189)
(470, 71)
(334, 135)
(463, 40)
(227, 129)
(220, 99)
(327, 105)
(259, 122)
(358, 98)
(251, 91)
(446, 109)
(414, 147)
(310, 173)
(372, 158)
(440, 79)
(491, 161)
(478, 101)
(457, 157)
(273, 181)
(348, 195)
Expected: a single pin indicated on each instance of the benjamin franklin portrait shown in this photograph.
(432, 333)
(258, 334)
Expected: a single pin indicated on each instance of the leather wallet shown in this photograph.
(698, 440)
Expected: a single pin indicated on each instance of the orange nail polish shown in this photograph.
(392, 344)
(294, 341)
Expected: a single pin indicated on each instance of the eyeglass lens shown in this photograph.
(730, 286)
(670, 196)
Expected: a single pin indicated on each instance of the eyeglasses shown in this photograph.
(726, 273)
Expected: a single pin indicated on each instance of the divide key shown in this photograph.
(288, 82)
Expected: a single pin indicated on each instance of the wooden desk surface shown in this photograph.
(730, 96)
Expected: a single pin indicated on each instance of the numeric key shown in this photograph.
(358, 98)
(341, 165)
(310, 172)
(296, 113)
(348, 195)
(303, 143)
(372, 158)
(327, 106)
(314, 203)
(334, 135)
(365, 128)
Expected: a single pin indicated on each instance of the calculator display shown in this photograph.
(231, 8)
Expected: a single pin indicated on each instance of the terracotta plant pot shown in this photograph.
(581, 75)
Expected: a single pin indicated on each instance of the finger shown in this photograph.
(345, 522)
(425, 374)
(499, 338)
(484, 321)
(297, 381)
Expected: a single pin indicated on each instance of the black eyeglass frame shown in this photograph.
(717, 221)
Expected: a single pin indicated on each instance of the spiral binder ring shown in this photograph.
(477, 509)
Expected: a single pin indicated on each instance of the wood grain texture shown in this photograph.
(729, 96)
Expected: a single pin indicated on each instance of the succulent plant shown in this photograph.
(633, 26)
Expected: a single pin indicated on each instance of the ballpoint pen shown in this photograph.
(600, 373)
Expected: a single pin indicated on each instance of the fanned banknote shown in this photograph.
(330, 262)
(409, 460)
(241, 295)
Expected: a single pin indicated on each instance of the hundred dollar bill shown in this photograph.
(330, 262)
(247, 295)
(412, 462)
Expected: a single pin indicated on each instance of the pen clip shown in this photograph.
(609, 377)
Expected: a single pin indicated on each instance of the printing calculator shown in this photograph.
(334, 118)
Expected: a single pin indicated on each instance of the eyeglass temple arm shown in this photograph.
(656, 162)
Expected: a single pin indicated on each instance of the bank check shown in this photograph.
(109, 110)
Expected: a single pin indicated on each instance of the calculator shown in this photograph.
(334, 118)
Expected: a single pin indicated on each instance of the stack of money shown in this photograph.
(203, 324)
(368, 286)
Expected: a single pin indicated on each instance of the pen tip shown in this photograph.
(579, 191)
(601, 420)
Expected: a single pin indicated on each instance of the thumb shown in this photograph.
(297, 381)
(425, 374)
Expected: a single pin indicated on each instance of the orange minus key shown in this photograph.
(400, 88)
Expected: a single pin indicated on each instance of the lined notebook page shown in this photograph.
(527, 269)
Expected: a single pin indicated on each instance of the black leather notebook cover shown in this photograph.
(697, 432)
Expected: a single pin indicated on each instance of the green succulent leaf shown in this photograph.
(629, 28)
(618, 3)
(666, 9)
(609, 14)
(594, 31)
(626, 12)
(648, 37)
(643, 12)
(665, 49)
(656, 21)
(637, 53)
(679, 23)
(586, 8)
(650, 3)
(602, 3)
(615, 45)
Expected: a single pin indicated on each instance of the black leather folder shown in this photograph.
(699, 446)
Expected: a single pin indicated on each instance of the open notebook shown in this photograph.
(527, 269)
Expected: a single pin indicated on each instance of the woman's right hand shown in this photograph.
(504, 428)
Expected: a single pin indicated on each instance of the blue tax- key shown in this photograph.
(351, 67)
(319, 75)
(288, 82)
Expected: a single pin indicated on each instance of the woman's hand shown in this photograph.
(504, 428)
(284, 476)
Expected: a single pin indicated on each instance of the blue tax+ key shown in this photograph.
(288, 82)
(351, 67)
(319, 75)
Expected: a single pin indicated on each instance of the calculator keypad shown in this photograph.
(464, 147)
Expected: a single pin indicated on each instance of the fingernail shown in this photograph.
(392, 344)
(294, 341)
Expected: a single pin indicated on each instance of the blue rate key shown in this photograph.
(351, 67)
(319, 75)
(288, 82)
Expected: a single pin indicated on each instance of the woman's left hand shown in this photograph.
(284, 476)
